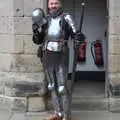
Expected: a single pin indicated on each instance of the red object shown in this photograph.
(82, 52)
(97, 52)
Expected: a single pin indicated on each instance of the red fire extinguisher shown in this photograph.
(97, 52)
(82, 52)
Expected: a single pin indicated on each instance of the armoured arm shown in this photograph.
(68, 18)
(75, 34)
(39, 25)
(38, 34)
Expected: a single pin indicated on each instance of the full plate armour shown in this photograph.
(56, 60)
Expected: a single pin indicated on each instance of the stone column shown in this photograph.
(21, 73)
(114, 54)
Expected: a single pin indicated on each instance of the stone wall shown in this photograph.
(21, 74)
(114, 54)
(22, 83)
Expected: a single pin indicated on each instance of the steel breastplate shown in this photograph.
(54, 31)
(55, 35)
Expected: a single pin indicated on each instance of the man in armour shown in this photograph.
(53, 38)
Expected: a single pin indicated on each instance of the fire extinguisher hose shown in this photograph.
(92, 45)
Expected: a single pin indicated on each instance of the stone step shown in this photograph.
(89, 103)
(76, 115)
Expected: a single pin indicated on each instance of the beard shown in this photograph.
(55, 12)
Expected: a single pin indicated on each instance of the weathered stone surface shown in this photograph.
(26, 63)
(2, 86)
(114, 81)
(11, 8)
(114, 104)
(18, 8)
(18, 116)
(5, 62)
(23, 25)
(36, 115)
(17, 25)
(19, 104)
(18, 86)
(114, 44)
(13, 103)
(11, 43)
(20, 63)
(5, 115)
(36, 104)
(114, 8)
(113, 62)
(29, 5)
(113, 77)
(23, 84)
(6, 25)
(7, 7)
(114, 27)
(29, 46)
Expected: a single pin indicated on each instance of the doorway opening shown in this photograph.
(90, 79)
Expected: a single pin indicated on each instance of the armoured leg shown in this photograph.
(62, 75)
(52, 82)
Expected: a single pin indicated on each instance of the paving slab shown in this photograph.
(77, 115)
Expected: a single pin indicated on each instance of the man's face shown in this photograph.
(54, 5)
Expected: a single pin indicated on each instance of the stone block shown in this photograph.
(114, 82)
(2, 90)
(113, 63)
(36, 104)
(11, 43)
(5, 62)
(114, 6)
(29, 5)
(24, 84)
(25, 63)
(114, 44)
(114, 27)
(18, 116)
(114, 104)
(22, 25)
(20, 63)
(11, 8)
(2, 85)
(6, 25)
(36, 115)
(5, 115)
(112, 77)
(18, 8)
(9, 91)
(13, 103)
(19, 104)
(7, 7)
(118, 63)
(29, 46)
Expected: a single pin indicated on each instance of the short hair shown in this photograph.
(58, 0)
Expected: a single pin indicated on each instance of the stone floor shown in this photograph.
(77, 115)
(89, 88)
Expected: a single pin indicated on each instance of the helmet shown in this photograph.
(38, 16)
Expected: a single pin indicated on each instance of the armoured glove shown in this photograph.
(79, 38)
(35, 29)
